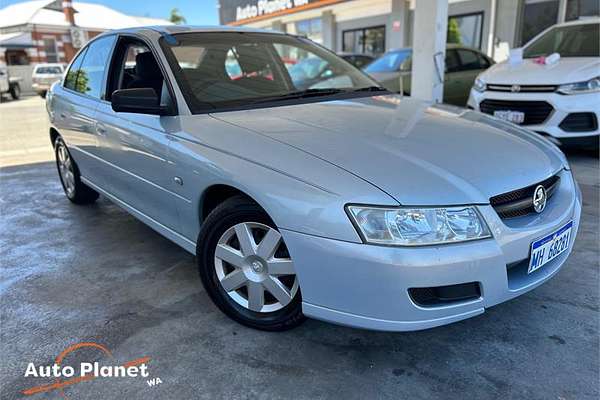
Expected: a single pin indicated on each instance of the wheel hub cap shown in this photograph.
(254, 269)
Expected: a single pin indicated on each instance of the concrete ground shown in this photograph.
(95, 274)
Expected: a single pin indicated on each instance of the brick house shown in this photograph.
(40, 31)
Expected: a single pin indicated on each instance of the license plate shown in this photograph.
(548, 248)
(516, 117)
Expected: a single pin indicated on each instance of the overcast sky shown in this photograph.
(197, 12)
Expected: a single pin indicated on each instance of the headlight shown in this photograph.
(405, 226)
(479, 85)
(591, 86)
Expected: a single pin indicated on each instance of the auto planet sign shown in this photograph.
(232, 11)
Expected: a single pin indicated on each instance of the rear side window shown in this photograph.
(452, 63)
(90, 72)
(468, 60)
(71, 78)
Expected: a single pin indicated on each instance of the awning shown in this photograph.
(16, 40)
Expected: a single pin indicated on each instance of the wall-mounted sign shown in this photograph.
(237, 12)
(78, 37)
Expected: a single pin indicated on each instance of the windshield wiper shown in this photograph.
(301, 94)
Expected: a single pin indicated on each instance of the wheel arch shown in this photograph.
(53, 135)
(216, 194)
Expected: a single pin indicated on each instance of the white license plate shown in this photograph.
(548, 248)
(516, 117)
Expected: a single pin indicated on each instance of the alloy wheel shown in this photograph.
(65, 168)
(254, 267)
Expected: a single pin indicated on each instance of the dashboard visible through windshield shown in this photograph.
(223, 70)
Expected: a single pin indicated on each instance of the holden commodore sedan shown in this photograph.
(340, 201)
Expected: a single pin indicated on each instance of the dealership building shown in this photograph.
(375, 26)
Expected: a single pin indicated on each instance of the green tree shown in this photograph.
(453, 32)
(176, 17)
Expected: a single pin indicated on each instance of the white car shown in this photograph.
(560, 99)
(44, 75)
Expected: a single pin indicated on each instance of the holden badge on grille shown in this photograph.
(539, 198)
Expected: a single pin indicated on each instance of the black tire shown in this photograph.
(42, 94)
(15, 92)
(233, 211)
(82, 194)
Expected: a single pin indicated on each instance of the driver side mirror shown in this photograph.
(139, 100)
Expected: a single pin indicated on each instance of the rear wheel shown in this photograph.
(70, 178)
(247, 269)
(15, 92)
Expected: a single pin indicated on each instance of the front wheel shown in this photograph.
(246, 268)
(70, 178)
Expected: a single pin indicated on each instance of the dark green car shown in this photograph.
(463, 64)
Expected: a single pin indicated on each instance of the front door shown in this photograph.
(135, 147)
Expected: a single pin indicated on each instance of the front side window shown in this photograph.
(224, 70)
(568, 41)
(391, 62)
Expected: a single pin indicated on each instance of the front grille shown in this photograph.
(520, 202)
(536, 112)
(522, 88)
(579, 122)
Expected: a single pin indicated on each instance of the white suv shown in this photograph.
(560, 99)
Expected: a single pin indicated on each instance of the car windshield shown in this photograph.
(389, 62)
(219, 70)
(568, 41)
(48, 70)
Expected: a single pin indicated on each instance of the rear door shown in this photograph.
(461, 80)
(75, 104)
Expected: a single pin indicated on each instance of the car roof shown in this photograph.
(174, 29)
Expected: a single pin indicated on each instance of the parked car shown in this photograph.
(311, 71)
(357, 59)
(463, 64)
(44, 75)
(561, 99)
(9, 85)
(346, 203)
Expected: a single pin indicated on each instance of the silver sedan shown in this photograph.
(339, 201)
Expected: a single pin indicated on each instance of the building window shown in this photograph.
(466, 30)
(311, 28)
(50, 50)
(364, 40)
(581, 8)
(537, 16)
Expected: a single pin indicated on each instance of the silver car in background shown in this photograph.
(44, 75)
(339, 201)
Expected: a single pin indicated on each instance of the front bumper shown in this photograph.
(563, 105)
(367, 286)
